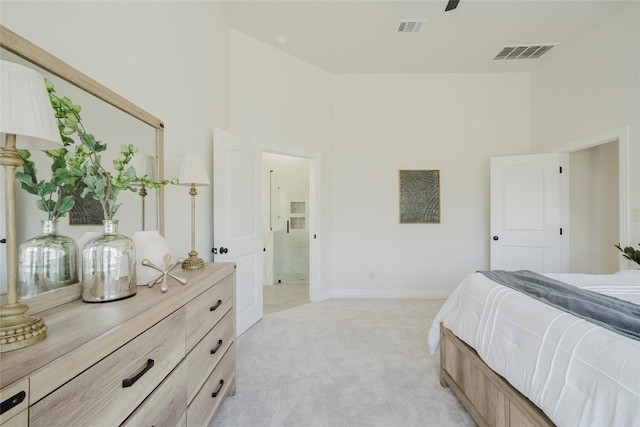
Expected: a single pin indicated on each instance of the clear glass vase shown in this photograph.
(108, 266)
(46, 262)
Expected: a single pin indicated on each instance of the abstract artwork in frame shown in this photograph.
(419, 196)
(86, 211)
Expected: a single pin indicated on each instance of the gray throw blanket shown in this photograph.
(608, 312)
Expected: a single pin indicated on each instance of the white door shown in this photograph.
(525, 213)
(237, 222)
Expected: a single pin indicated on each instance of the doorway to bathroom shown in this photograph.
(286, 194)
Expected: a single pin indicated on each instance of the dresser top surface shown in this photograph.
(75, 324)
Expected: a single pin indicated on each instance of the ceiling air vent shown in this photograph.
(523, 52)
(410, 27)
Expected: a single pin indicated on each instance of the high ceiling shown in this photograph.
(360, 36)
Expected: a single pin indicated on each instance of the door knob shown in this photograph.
(495, 237)
(223, 250)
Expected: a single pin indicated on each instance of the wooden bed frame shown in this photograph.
(488, 397)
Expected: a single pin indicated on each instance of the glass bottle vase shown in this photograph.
(46, 262)
(108, 266)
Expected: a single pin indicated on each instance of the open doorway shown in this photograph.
(596, 201)
(286, 196)
(594, 209)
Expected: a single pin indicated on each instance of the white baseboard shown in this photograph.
(322, 297)
(406, 294)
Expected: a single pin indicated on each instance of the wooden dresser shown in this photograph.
(155, 359)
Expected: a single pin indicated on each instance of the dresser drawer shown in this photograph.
(204, 311)
(100, 396)
(207, 401)
(20, 420)
(167, 405)
(206, 355)
(14, 399)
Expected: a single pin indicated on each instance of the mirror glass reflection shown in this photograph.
(109, 125)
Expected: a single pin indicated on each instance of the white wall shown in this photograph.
(170, 58)
(450, 122)
(590, 86)
(286, 105)
(381, 124)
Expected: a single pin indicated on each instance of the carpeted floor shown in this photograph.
(341, 363)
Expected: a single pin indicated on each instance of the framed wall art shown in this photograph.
(419, 196)
(86, 211)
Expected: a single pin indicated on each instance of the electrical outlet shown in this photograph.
(636, 215)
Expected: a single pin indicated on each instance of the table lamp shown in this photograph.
(27, 121)
(193, 174)
(145, 166)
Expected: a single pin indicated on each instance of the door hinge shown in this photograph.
(560, 169)
(561, 231)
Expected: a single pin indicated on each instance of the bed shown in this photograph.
(515, 361)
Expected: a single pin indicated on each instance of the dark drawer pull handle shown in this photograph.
(215, 393)
(12, 402)
(213, 350)
(214, 307)
(128, 382)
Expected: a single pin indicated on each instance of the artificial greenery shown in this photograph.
(147, 182)
(80, 169)
(102, 185)
(630, 253)
(55, 196)
(105, 186)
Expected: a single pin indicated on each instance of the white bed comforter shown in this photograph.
(578, 373)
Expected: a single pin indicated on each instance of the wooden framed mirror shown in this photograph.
(113, 120)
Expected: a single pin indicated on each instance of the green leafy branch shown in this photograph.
(55, 196)
(67, 114)
(630, 253)
(102, 185)
(147, 182)
(80, 167)
(105, 186)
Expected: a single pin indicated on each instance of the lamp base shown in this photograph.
(18, 330)
(193, 262)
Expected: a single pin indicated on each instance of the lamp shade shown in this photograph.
(25, 109)
(192, 171)
(144, 166)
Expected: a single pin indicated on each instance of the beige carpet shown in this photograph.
(341, 363)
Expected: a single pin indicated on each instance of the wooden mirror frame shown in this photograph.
(28, 51)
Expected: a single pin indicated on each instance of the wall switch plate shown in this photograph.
(636, 215)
